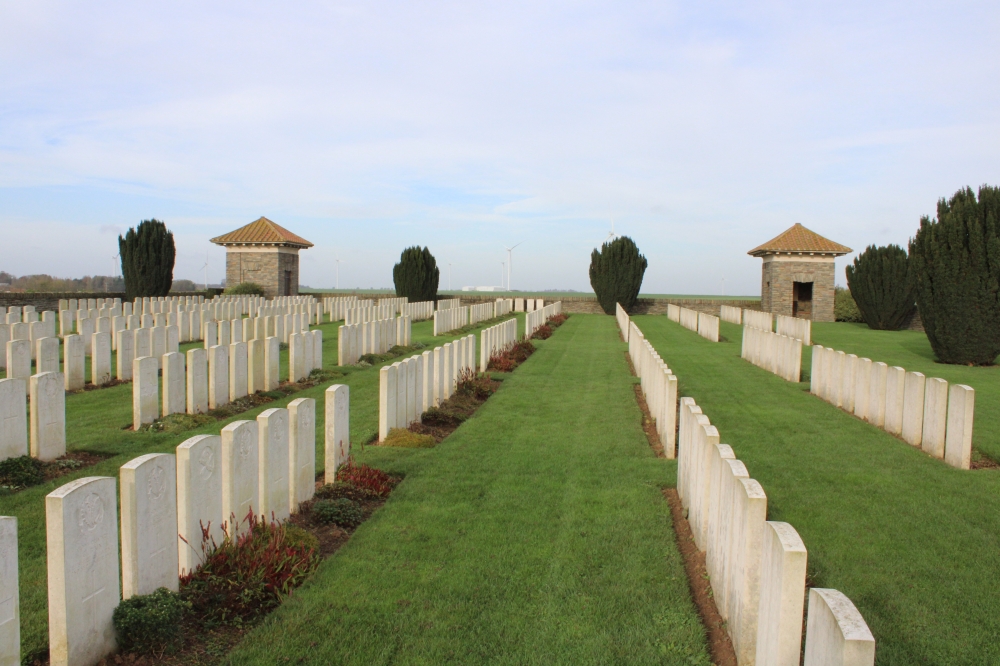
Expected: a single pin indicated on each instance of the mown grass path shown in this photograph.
(914, 543)
(535, 534)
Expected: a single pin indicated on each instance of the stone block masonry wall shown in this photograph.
(777, 280)
(925, 412)
(757, 567)
(410, 387)
(775, 353)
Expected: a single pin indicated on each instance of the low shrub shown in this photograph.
(511, 356)
(404, 438)
(149, 623)
(555, 321)
(248, 574)
(437, 417)
(342, 512)
(297, 537)
(367, 478)
(339, 489)
(478, 386)
(21, 472)
(245, 289)
(844, 307)
(543, 332)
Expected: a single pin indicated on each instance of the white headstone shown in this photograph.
(47, 355)
(255, 365)
(81, 525)
(13, 421)
(296, 357)
(145, 392)
(48, 416)
(935, 416)
(317, 354)
(100, 358)
(149, 524)
(876, 395)
(199, 498)
(218, 376)
(10, 604)
(125, 354)
(337, 444)
(895, 381)
(273, 465)
(958, 438)
(174, 384)
(237, 370)
(197, 381)
(19, 359)
(913, 408)
(240, 473)
(301, 451)
(158, 341)
(836, 633)
(782, 596)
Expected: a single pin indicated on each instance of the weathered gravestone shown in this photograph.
(197, 381)
(81, 524)
(174, 381)
(48, 416)
(240, 473)
(273, 464)
(199, 498)
(301, 451)
(145, 392)
(149, 524)
(10, 604)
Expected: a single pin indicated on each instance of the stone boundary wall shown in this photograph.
(49, 300)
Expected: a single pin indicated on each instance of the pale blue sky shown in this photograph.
(703, 128)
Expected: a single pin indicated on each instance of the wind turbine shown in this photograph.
(338, 271)
(612, 235)
(205, 268)
(503, 267)
(510, 262)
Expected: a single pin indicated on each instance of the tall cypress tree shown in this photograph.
(616, 272)
(882, 286)
(956, 267)
(147, 253)
(416, 275)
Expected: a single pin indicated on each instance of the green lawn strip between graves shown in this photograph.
(95, 421)
(535, 534)
(911, 541)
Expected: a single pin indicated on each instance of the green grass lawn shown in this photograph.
(96, 421)
(535, 534)
(914, 543)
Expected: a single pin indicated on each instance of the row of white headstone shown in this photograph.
(794, 327)
(336, 306)
(482, 312)
(207, 379)
(775, 353)
(30, 332)
(372, 337)
(362, 314)
(535, 319)
(658, 384)
(258, 327)
(924, 412)
(421, 311)
(44, 426)
(758, 567)
(410, 387)
(730, 314)
(504, 306)
(449, 303)
(702, 323)
(450, 319)
(757, 319)
(494, 340)
(528, 304)
(265, 468)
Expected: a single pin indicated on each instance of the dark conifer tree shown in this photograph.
(882, 287)
(956, 268)
(147, 253)
(416, 275)
(616, 272)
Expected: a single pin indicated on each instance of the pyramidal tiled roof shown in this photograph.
(800, 239)
(262, 231)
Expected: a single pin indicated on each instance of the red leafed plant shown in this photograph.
(249, 573)
(478, 386)
(555, 321)
(366, 478)
(511, 355)
(543, 332)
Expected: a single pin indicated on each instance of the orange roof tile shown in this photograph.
(800, 239)
(261, 231)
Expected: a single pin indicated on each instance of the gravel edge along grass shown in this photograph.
(912, 542)
(535, 534)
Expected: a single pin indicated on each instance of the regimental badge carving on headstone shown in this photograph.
(91, 512)
(206, 463)
(157, 482)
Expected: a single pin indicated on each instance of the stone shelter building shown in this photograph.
(265, 253)
(798, 274)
